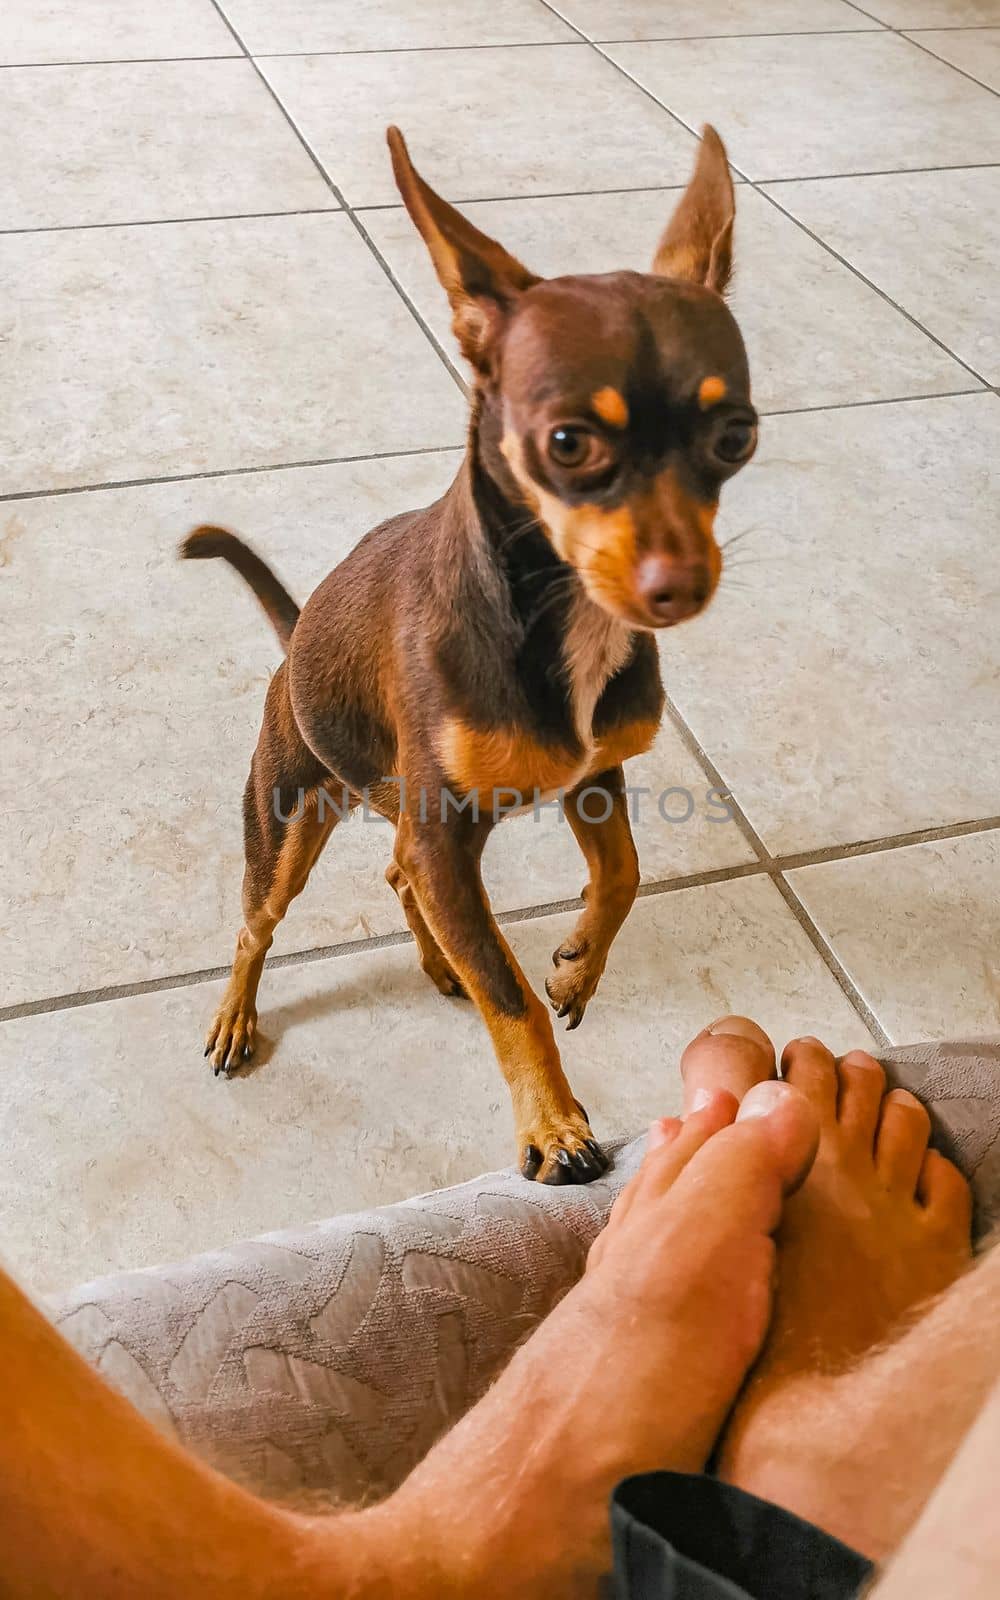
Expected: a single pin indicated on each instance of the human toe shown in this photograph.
(807, 1064)
(861, 1086)
(904, 1130)
(945, 1195)
(733, 1053)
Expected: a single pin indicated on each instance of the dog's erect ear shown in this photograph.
(480, 279)
(698, 243)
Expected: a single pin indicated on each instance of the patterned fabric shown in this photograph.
(324, 1361)
(959, 1083)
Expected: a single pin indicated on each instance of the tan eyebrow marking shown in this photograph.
(610, 407)
(712, 390)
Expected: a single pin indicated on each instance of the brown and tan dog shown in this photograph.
(501, 640)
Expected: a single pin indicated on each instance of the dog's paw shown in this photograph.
(574, 981)
(230, 1039)
(562, 1152)
(442, 976)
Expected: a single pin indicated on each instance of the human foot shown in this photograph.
(880, 1225)
(638, 1366)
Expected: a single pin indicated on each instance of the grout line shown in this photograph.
(166, 222)
(424, 49)
(914, 321)
(883, 172)
(962, 71)
(901, 33)
(764, 865)
(411, 305)
(482, 199)
(549, 194)
(551, 44)
(891, 841)
(853, 405)
(831, 961)
(342, 202)
(696, 749)
(116, 61)
(757, 187)
(510, 44)
(431, 449)
(185, 980)
(863, 13)
(771, 866)
(707, 38)
(228, 472)
(381, 941)
(670, 188)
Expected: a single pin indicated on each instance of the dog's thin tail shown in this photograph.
(206, 542)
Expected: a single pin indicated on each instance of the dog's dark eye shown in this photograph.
(572, 447)
(735, 442)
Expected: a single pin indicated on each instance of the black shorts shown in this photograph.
(693, 1538)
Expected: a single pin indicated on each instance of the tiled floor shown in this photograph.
(212, 308)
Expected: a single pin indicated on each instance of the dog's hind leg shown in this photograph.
(598, 815)
(432, 957)
(290, 808)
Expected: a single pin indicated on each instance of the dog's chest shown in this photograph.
(596, 646)
(509, 759)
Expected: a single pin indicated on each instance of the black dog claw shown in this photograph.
(530, 1161)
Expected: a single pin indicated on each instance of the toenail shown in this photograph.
(661, 1132)
(737, 1027)
(903, 1097)
(860, 1058)
(701, 1099)
(762, 1099)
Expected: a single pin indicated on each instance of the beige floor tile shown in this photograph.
(817, 104)
(935, 13)
(809, 323)
(844, 681)
(110, 30)
(204, 345)
(146, 140)
(139, 698)
(369, 1088)
(918, 930)
(480, 123)
(930, 240)
(974, 50)
(651, 19)
(283, 26)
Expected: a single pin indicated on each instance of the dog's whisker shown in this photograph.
(518, 531)
(554, 571)
(744, 533)
(551, 600)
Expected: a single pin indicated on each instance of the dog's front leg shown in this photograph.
(597, 813)
(441, 863)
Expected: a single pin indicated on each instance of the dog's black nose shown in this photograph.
(670, 590)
